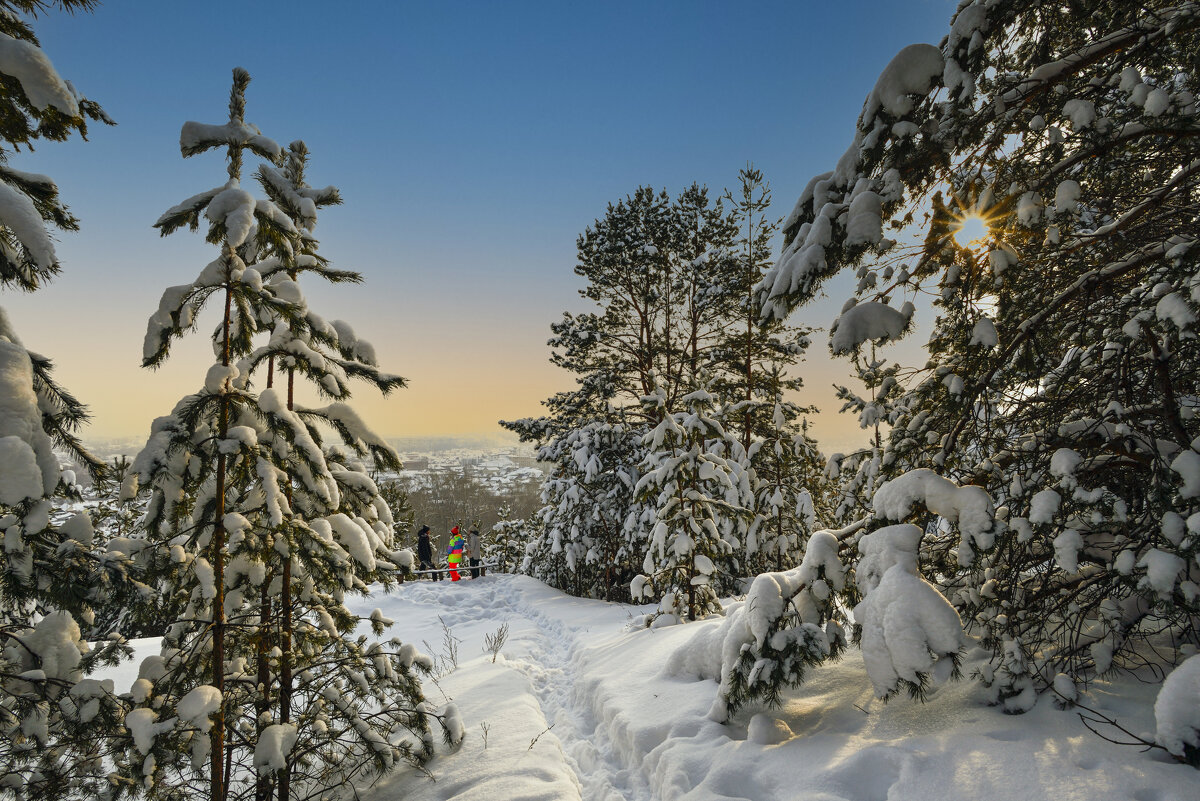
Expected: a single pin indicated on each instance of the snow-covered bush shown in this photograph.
(1177, 712)
(790, 621)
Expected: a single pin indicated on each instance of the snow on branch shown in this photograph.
(28, 467)
(969, 507)
(43, 86)
(871, 321)
(197, 137)
(20, 216)
(915, 70)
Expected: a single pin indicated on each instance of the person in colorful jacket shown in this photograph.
(454, 553)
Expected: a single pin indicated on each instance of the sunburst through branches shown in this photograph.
(971, 231)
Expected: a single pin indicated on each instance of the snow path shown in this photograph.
(581, 707)
(551, 660)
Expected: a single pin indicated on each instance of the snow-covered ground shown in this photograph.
(620, 727)
(579, 704)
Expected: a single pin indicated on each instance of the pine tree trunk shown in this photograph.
(749, 330)
(263, 789)
(217, 777)
(285, 633)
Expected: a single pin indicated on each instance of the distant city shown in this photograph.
(498, 462)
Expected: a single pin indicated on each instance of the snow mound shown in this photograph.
(1177, 709)
(765, 729)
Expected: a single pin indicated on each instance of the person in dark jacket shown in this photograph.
(473, 552)
(425, 552)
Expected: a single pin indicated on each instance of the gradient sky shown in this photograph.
(472, 142)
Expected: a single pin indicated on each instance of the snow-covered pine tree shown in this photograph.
(705, 269)
(207, 476)
(1063, 358)
(347, 717)
(586, 545)
(752, 355)
(701, 503)
(655, 269)
(505, 549)
(53, 721)
(301, 707)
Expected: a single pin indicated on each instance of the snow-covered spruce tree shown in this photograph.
(344, 705)
(855, 476)
(751, 358)
(252, 521)
(700, 500)
(587, 502)
(392, 489)
(1061, 379)
(200, 465)
(791, 491)
(506, 547)
(53, 721)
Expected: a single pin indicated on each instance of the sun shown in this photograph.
(971, 231)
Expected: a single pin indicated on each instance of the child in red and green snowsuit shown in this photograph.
(454, 552)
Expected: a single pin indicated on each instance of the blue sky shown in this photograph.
(472, 142)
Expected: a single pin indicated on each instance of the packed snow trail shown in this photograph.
(579, 704)
(544, 648)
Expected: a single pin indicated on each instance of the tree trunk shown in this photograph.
(285, 633)
(217, 775)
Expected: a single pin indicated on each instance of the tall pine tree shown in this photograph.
(259, 527)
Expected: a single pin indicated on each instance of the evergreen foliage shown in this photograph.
(700, 500)
(673, 282)
(1047, 451)
(590, 539)
(505, 549)
(53, 577)
(259, 527)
